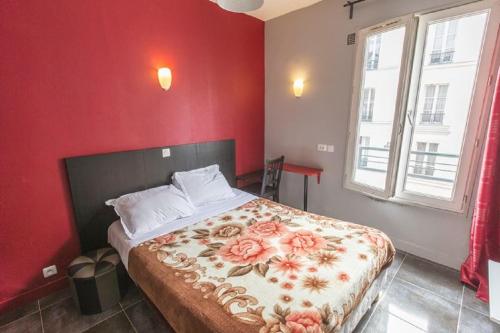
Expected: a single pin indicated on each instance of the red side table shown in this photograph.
(306, 172)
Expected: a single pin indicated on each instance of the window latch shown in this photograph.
(409, 115)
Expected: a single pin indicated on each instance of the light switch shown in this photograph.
(165, 152)
(331, 148)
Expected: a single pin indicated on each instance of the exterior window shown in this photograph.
(424, 160)
(434, 104)
(368, 103)
(364, 151)
(423, 147)
(444, 42)
(373, 52)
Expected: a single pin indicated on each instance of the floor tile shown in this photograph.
(407, 304)
(17, 313)
(117, 323)
(385, 322)
(27, 324)
(474, 322)
(65, 317)
(439, 279)
(134, 295)
(472, 302)
(146, 319)
(55, 297)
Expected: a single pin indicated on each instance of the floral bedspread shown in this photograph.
(275, 268)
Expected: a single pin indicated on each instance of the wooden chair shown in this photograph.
(269, 185)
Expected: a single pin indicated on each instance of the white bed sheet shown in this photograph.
(120, 241)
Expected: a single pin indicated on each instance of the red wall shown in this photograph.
(79, 77)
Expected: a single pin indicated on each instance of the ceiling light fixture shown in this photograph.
(240, 6)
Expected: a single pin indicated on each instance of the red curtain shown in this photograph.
(485, 232)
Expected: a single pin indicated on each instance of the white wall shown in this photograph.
(312, 43)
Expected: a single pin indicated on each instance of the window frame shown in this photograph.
(409, 22)
(470, 153)
(412, 62)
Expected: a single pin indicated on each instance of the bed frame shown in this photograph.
(94, 179)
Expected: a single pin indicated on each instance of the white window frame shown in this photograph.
(409, 22)
(473, 133)
(412, 62)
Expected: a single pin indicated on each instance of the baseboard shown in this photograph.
(432, 255)
(33, 294)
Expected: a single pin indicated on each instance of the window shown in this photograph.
(424, 161)
(373, 52)
(368, 103)
(423, 147)
(434, 104)
(372, 160)
(364, 147)
(444, 42)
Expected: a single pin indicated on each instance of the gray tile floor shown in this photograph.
(420, 296)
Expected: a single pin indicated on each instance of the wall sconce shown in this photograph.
(165, 77)
(298, 87)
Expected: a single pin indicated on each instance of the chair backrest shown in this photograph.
(272, 174)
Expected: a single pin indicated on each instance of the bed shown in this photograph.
(245, 264)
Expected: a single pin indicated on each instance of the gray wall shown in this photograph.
(312, 41)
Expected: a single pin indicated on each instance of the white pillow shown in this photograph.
(145, 211)
(203, 186)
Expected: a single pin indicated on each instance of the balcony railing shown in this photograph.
(442, 57)
(366, 117)
(373, 159)
(372, 63)
(428, 118)
(424, 165)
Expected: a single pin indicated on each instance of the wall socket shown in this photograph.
(322, 147)
(49, 271)
(326, 148)
(165, 152)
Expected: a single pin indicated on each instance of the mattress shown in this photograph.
(261, 267)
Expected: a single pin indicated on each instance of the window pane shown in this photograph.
(445, 94)
(368, 102)
(377, 105)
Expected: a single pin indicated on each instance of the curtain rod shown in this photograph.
(351, 4)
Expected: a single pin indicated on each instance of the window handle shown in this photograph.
(409, 115)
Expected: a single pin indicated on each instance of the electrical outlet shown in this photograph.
(330, 148)
(49, 271)
(322, 147)
(165, 152)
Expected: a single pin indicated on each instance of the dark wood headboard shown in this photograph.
(96, 178)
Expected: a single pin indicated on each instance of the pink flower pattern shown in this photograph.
(268, 229)
(278, 245)
(304, 322)
(247, 250)
(302, 242)
(166, 239)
